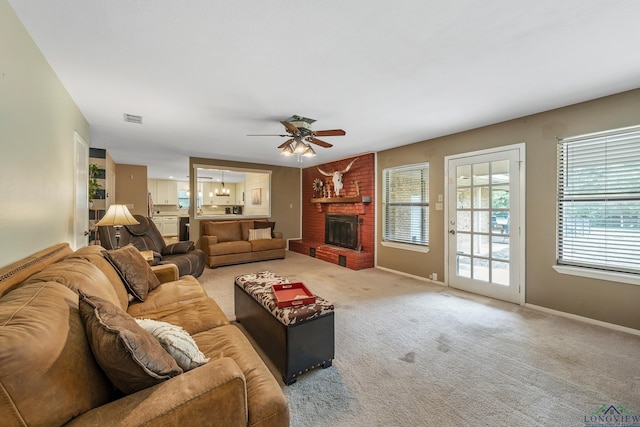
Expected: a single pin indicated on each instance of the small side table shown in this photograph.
(148, 256)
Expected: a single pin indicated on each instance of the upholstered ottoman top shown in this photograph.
(258, 285)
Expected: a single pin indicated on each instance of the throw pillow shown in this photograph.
(134, 271)
(261, 233)
(265, 224)
(130, 356)
(176, 341)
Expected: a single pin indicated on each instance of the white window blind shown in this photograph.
(405, 204)
(599, 201)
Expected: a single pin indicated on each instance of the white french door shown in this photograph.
(485, 219)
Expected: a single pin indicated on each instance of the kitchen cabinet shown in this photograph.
(208, 196)
(157, 220)
(168, 225)
(239, 193)
(163, 191)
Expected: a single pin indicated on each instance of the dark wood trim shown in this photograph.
(353, 199)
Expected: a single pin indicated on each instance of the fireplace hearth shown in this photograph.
(341, 230)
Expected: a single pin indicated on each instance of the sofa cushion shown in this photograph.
(245, 226)
(265, 224)
(134, 271)
(185, 289)
(265, 399)
(228, 248)
(78, 274)
(176, 341)
(267, 244)
(93, 254)
(48, 373)
(183, 302)
(260, 233)
(225, 231)
(130, 356)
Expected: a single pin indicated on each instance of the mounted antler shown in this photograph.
(336, 176)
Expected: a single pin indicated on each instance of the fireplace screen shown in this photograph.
(341, 230)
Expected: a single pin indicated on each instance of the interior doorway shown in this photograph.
(81, 192)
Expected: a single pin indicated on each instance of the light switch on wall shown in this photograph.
(438, 206)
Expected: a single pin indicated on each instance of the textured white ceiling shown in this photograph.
(205, 73)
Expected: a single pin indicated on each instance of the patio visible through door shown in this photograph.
(484, 222)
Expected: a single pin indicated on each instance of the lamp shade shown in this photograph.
(287, 151)
(117, 215)
(309, 152)
(299, 147)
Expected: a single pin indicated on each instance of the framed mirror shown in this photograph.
(225, 192)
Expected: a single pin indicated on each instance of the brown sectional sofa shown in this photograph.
(50, 374)
(228, 242)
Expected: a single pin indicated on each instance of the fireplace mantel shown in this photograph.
(353, 199)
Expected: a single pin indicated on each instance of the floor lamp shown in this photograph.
(116, 217)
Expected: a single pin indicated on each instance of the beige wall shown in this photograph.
(131, 187)
(37, 122)
(602, 300)
(285, 195)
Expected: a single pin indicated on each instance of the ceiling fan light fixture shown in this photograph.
(309, 152)
(287, 151)
(300, 147)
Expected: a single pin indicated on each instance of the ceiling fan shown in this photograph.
(301, 135)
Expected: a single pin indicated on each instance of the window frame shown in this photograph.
(574, 189)
(423, 204)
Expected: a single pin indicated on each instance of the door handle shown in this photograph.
(452, 231)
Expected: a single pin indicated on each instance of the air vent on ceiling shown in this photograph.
(131, 118)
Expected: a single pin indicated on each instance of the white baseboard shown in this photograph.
(584, 319)
(402, 273)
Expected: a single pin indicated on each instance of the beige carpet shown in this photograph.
(410, 353)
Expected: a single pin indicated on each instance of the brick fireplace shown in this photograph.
(341, 230)
(315, 210)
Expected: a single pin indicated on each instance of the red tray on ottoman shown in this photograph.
(290, 294)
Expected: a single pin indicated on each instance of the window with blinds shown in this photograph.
(405, 204)
(599, 201)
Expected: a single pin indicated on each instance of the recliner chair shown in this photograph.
(146, 237)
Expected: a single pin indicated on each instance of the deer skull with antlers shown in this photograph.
(336, 176)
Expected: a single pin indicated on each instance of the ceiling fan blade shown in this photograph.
(331, 132)
(284, 144)
(319, 142)
(290, 127)
(262, 134)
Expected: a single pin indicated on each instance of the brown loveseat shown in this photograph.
(51, 374)
(230, 242)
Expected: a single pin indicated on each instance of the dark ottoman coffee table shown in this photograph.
(296, 339)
